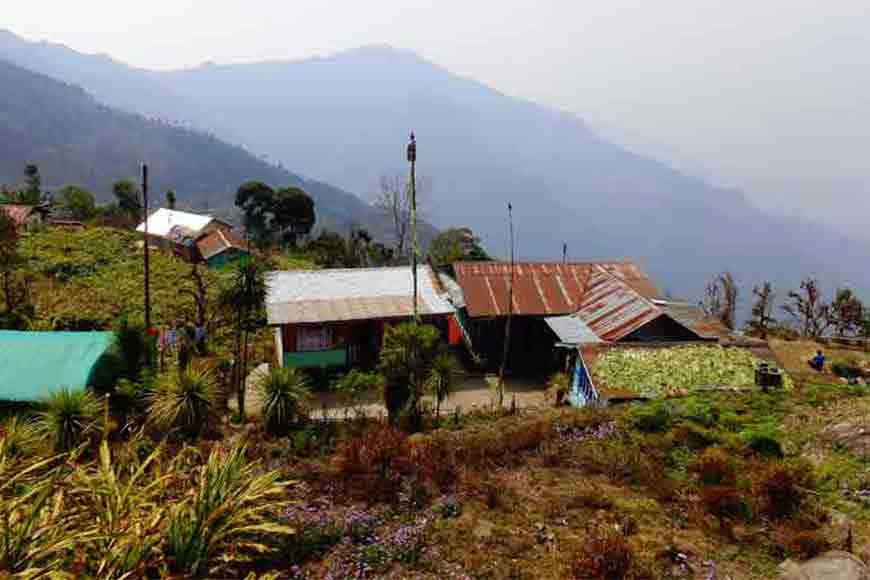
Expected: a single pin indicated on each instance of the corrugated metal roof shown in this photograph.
(695, 318)
(612, 309)
(218, 242)
(540, 288)
(312, 296)
(161, 222)
(20, 213)
(571, 330)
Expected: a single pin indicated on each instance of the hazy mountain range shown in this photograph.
(345, 119)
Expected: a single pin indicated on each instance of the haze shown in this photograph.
(770, 97)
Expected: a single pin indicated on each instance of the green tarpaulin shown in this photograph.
(33, 364)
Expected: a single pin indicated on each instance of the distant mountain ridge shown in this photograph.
(345, 119)
(76, 140)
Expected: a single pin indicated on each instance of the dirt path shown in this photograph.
(472, 392)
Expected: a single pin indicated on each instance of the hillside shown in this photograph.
(76, 140)
(350, 113)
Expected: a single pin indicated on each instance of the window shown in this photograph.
(313, 338)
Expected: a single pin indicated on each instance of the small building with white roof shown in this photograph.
(181, 230)
(328, 318)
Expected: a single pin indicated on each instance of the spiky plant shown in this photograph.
(36, 525)
(125, 497)
(284, 393)
(442, 378)
(19, 437)
(231, 505)
(183, 401)
(67, 417)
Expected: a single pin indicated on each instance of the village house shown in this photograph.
(336, 318)
(27, 217)
(194, 237)
(558, 306)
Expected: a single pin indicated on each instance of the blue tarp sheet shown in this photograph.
(33, 364)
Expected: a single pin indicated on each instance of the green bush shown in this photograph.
(67, 417)
(763, 442)
(652, 417)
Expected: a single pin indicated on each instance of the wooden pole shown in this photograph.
(147, 256)
(507, 329)
(412, 157)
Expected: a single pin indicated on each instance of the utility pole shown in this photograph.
(507, 327)
(412, 159)
(565, 252)
(147, 257)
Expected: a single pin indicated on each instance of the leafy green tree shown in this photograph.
(407, 355)
(455, 245)
(170, 199)
(129, 201)
(256, 200)
(245, 298)
(78, 202)
(32, 184)
(293, 214)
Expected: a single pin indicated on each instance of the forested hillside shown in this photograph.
(76, 140)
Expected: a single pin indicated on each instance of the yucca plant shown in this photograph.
(124, 497)
(19, 437)
(442, 378)
(183, 401)
(284, 393)
(230, 505)
(67, 417)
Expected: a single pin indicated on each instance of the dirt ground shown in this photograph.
(472, 392)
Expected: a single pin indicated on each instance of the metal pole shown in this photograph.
(565, 253)
(507, 329)
(147, 257)
(412, 157)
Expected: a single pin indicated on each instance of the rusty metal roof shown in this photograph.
(540, 288)
(613, 310)
(218, 242)
(21, 213)
(317, 296)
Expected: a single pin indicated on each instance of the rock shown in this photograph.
(828, 566)
(851, 435)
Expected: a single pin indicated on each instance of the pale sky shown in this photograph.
(772, 96)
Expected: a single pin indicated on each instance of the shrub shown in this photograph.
(764, 443)
(724, 502)
(19, 437)
(802, 544)
(607, 556)
(356, 383)
(68, 417)
(782, 488)
(230, 506)
(285, 393)
(652, 418)
(370, 461)
(184, 401)
(715, 467)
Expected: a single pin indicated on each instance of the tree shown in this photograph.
(720, 300)
(292, 214)
(762, 310)
(407, 355)
(170, 199)
(245, 297)
(78, 202)
(255, 199)
(129, 202)
(809, 309)
(847, 313)
(394, 199)
(32, 183)
(358, 250)
(454, 245)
